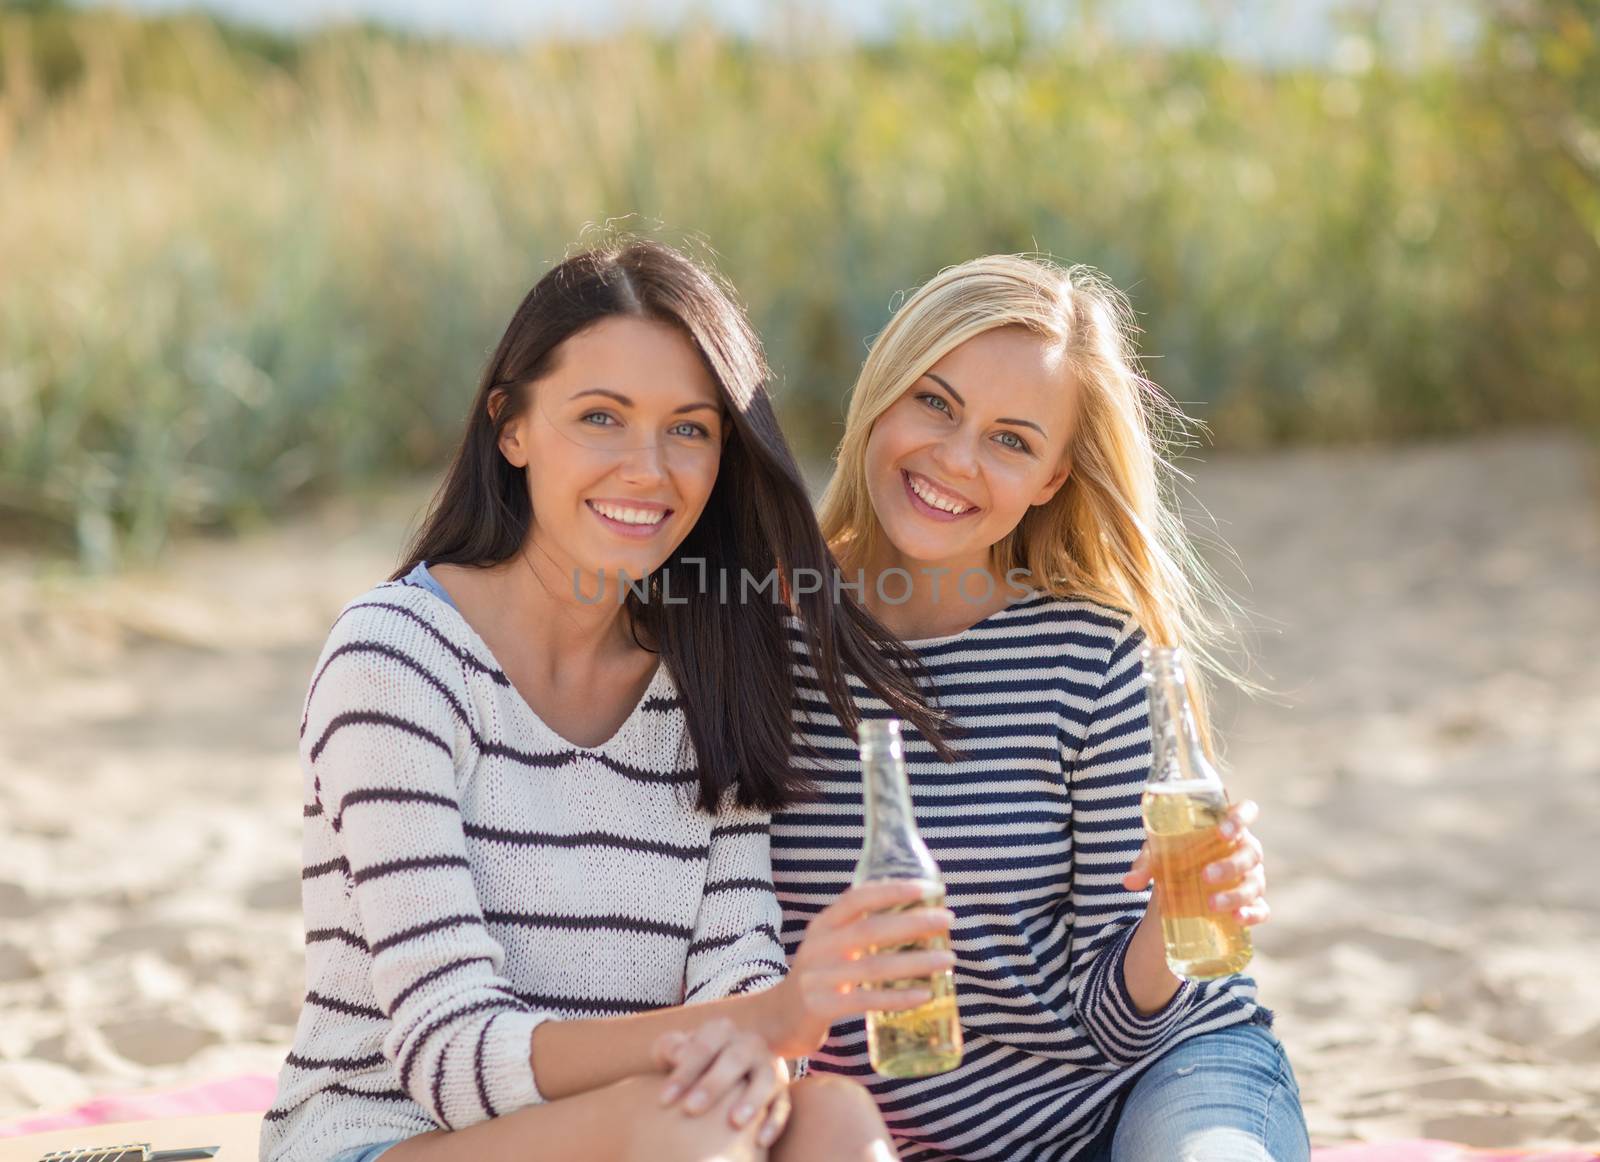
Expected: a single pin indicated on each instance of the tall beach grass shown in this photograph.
(237, 270)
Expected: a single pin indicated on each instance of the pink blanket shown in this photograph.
(248, 1093)
(1419, 1150)
(252, 1092)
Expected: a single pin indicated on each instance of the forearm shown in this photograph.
(572, 1057)
(1150, 982)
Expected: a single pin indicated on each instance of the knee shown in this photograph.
(836, 1117)
(1218, 1097)
(657, 1134)
(826, 1095)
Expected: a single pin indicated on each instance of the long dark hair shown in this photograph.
(731, 659)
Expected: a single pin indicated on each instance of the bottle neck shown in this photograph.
(1176, 750)
(892, 849)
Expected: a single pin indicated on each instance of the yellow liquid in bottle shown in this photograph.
(1182, 825)
(927, 1039)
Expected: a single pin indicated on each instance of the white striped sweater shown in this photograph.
(468, 873)
(1033, 833)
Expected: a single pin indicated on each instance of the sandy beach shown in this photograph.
(1428, 769)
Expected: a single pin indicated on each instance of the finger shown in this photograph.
(881, 930)
(667, 1046)
(879, 1000)
(1240, 817)
(892, 966)
(1233, 867)
(874, 896)
(731, 1067)
(1248, 891)
(777, 1118)
(760, 1090)
(695, 1055)
(887, 929)
(1256, 913)
(1138, 875)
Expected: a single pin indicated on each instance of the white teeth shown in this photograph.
(629, 516)
(934, 499)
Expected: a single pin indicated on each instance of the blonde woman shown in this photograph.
(1000, 499)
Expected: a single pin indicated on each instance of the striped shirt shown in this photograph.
(1033, 832)
(469, 873)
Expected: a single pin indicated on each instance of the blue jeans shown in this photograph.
(364, 1153)
(1227, 1096)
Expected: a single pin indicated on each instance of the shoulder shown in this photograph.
(398, 612)
(401, 634)
(1073, 644)
(1068, 626)
(1093, 621)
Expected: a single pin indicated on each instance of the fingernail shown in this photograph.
(1228, 828)
(768, 1136)
(742, 1115)
(1217, 902)
(696, 1103)
(670, 1095)
(1213, 874)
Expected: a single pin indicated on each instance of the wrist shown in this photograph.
(782, 1020)
(1145, 971)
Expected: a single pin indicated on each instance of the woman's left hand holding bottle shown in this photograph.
(1237, 881)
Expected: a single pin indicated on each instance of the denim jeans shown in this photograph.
(1226, 1096)
(364, 1153)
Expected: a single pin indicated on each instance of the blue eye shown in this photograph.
(598, 419)
(937, 402)
(693, 430)
(1013, 441)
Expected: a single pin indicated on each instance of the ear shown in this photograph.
(512, 440)
(496, 401)
(1057, 478)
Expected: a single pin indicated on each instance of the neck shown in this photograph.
(537, 596)
(941, 597)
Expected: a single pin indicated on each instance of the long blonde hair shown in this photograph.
(1113, 533)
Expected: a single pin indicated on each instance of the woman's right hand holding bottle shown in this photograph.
(851, 953)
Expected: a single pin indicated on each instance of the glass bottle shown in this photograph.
(927, 1039)
(1184, 806)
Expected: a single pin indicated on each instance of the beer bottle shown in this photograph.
(925, 1040)
(1184, 805)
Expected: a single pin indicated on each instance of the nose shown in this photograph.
(645, 465)
(956, 456)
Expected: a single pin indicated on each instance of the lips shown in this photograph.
(933, 500)
(635, 519)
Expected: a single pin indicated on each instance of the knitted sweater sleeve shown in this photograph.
(386, 721)
(1107, 776)
(736, 947)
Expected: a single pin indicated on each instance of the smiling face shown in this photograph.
(621, 443)
(954, 464)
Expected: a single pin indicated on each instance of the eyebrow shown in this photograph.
(942, 382)
(628, 403)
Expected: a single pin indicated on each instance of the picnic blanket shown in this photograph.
(252, 1093)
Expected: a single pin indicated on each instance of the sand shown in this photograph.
(1429, 773)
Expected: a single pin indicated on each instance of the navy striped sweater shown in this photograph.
(1033, 832)
(469, 873)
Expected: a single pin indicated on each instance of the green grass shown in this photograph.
(239, 269)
